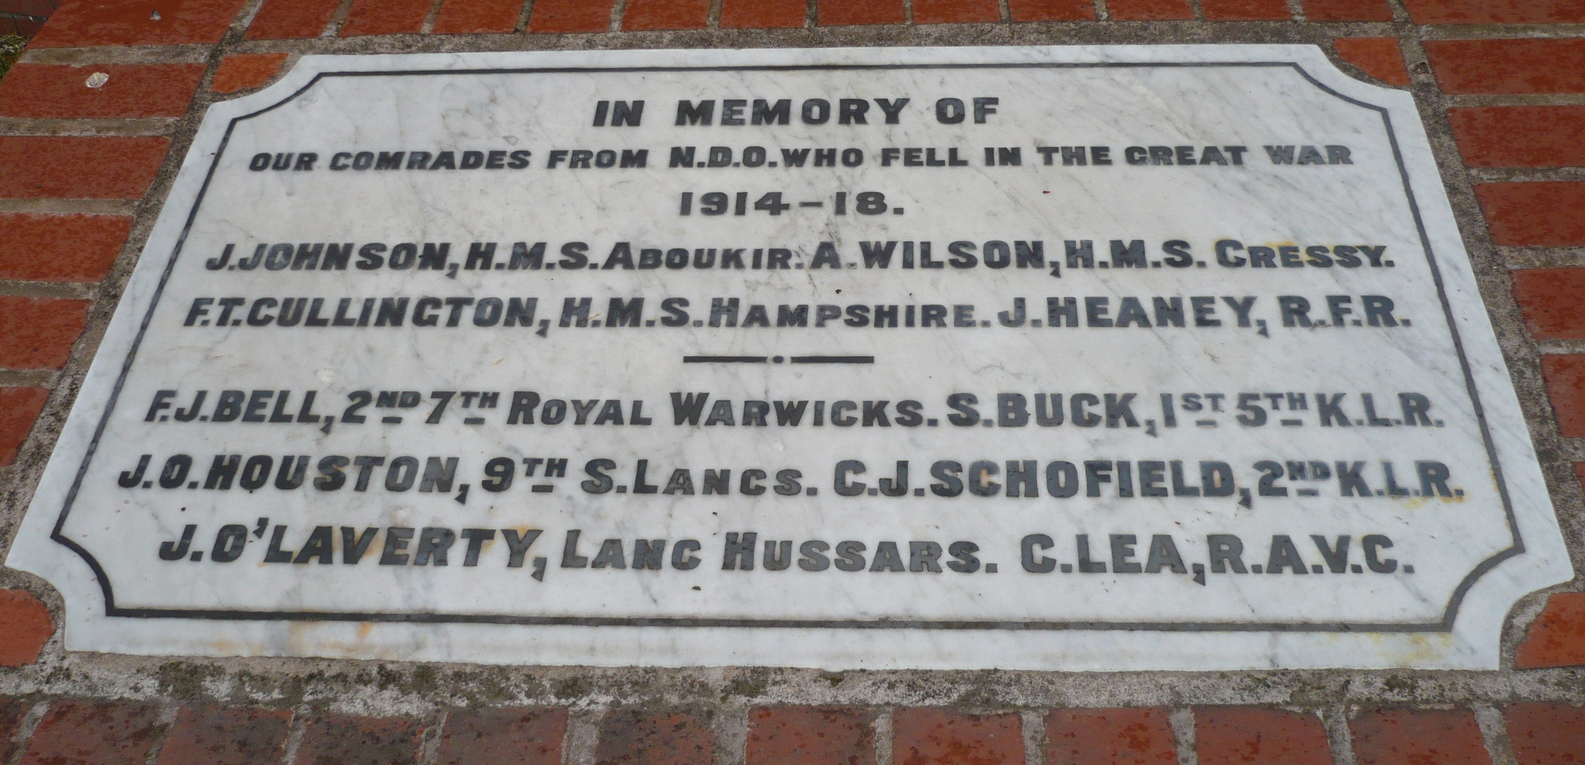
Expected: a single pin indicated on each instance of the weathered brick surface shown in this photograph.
(1550, 300)
(1547, 734)
(1150, 10)
(1542, 214)
(570, 16)
(1245, 10)
(348, 740)
(226, 736)
(385, 17)
(1051, 10)
(62, 92)
(80, 23)
(810, 736)
(956, 11)
(79, 166)
(93, 733)
(11, 713)
(647, 737)
(1110, 737)
(245, 71)
(762, 14)
(1258, 736)
(1508, 66)
(278, 19)
(923, 736)
(1520, 136)
(19, 407)
(1565, 383)
(37, 333)
(1557, 637)
(1495, 11)
(1418, 737)
(1347, 10)
(42, 8)
(503, 737)
(60, 248)
(470, 16)
(1380, 57)
(666, 14)
(847, 12)
(25, 623)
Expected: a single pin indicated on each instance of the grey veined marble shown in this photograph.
(1072, 358)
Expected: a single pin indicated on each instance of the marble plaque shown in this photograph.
(1068, 358)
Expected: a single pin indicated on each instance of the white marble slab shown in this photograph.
(1271, 426)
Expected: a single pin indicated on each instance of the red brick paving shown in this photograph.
(245, 71)
(1347, 10)
(25, 623)
(666, 14)
(1245, 10)
(1380, 57)
(60, 248)
(216, 736)
(956, 11)
(61, 92)
(1550, 300)
(1110, 736)
(80, 23)
(1565, 383)
(290, 19)
(474, 16)
(117, 168)
(348, 740)
(832, 13)
(1418, 737)
(503, 737)
(1258, 736)
(1149, 10)
(1557, 638)
(810, 736)
(93, 733)
(1520, 136)
(11, 713)
(385, 17)
(762, 14)
(37, 333)
(644, 737)
(19, 407)
(1547, 734)
(1495, 11)
(1544, 214)
(1051, 10)
(922, 736)
(570, 16)
(1508, 66)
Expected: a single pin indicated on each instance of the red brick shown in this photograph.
(1495, 11)
(350, 740)
(42, 8)
(1149, 10)
(503, 737)
(213, 736)
(923, 736)
(78, 167)
(638, 737)
(11, 712)
(666, 14)
(25, 623)
(834, 13)
(37, 333)
(1547, 734)
(570, 16)
(385, 17)
(1557, 638)
(810, 736)
(1245, 10)
(26, 27)
(60, 248)
(56, 91)
(1347, 10)
(1252, 735)
(1545, 214)
(1380, 57)
(90, 733)
(762, 14)
(1565, 383)
(474, 16)
(1419, 737)
(19, 408)
(1106, 736)
(291, 19)
(1051, 10)
(1549, 298)
(1508, 66)
(83, 23)
(1520, 136)
(245, 71)
(956, 11)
